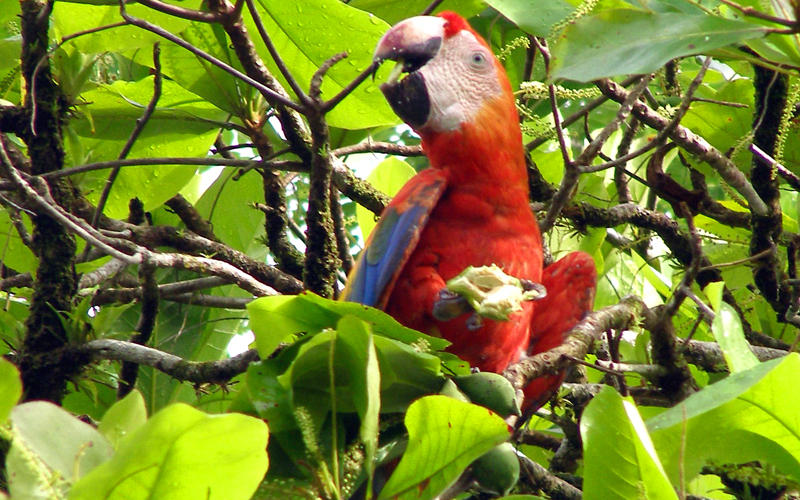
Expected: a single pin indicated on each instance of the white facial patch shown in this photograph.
(459, 80)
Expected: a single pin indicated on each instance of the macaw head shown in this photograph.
(445, 74)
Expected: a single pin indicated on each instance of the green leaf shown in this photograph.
(179, 127)
(365, 383)
(62, 444)
(388, 177)
(309, 32)
(70, 18)
(13, 252)
(228, 205)
(727, 329)
(124, 417)
(198, 75)
(394, 11)
(271, 399)
(619, 459)
(714, 293)
(725, 126)
(610, 42)
(534, 16)
(760, 409)
(183, 453)
(444, 437)
(10, 389)
(275, 319)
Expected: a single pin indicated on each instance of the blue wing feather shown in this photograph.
(393, 239)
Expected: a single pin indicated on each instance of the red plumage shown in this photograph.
(470, 209)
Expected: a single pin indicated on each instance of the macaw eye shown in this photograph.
(478, 60)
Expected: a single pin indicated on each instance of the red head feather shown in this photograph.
(455, 23)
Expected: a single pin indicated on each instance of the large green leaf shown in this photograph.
(183, 453)
(198, 75)
(365, 381)
(276, 319)
(405, 373)
(51, 445)
(180, 126)
(619, 459)
(70, 18)
(760, 410)
(123, 418)
(724, 126)
(393, 11)
(611, 42)
(228, 205)
(534, 16)
(444, 437)
(308, 32)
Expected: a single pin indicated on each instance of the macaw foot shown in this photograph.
(488, 292)
(450, 305)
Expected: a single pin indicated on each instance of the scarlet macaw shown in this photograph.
(471, 208)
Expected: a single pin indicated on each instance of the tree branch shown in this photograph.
(207, 372)
(692, 143)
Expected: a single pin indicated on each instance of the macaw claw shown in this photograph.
(450, 306)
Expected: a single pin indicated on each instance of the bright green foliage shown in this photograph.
(275, 319)
(610, 42)
(727, 328)
(15, 254)
(10, 389)
(536, 17)
(125, 417)
(744, 417)
(183, 453)
(444, 437)
(182, 126)
(621, 462)
(306, 41)
(51, 449)
(346, 390)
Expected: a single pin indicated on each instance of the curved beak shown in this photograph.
(411, 44)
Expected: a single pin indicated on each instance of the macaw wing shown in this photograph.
(394, 239)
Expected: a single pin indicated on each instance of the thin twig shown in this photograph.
(751, 12)
(276, 57)
(183, 13)
(721, 103)
(664, 132)
(129, 371)
(327, 106)
(268, 93)
(379, 147)
(585, 110)
(431, 7)
(692, 143)
(84, 230)
(292, 166)
(137, 130)
(791, 178)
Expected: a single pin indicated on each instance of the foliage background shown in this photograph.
(165, 162)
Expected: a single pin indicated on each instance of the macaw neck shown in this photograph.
(485, 152)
